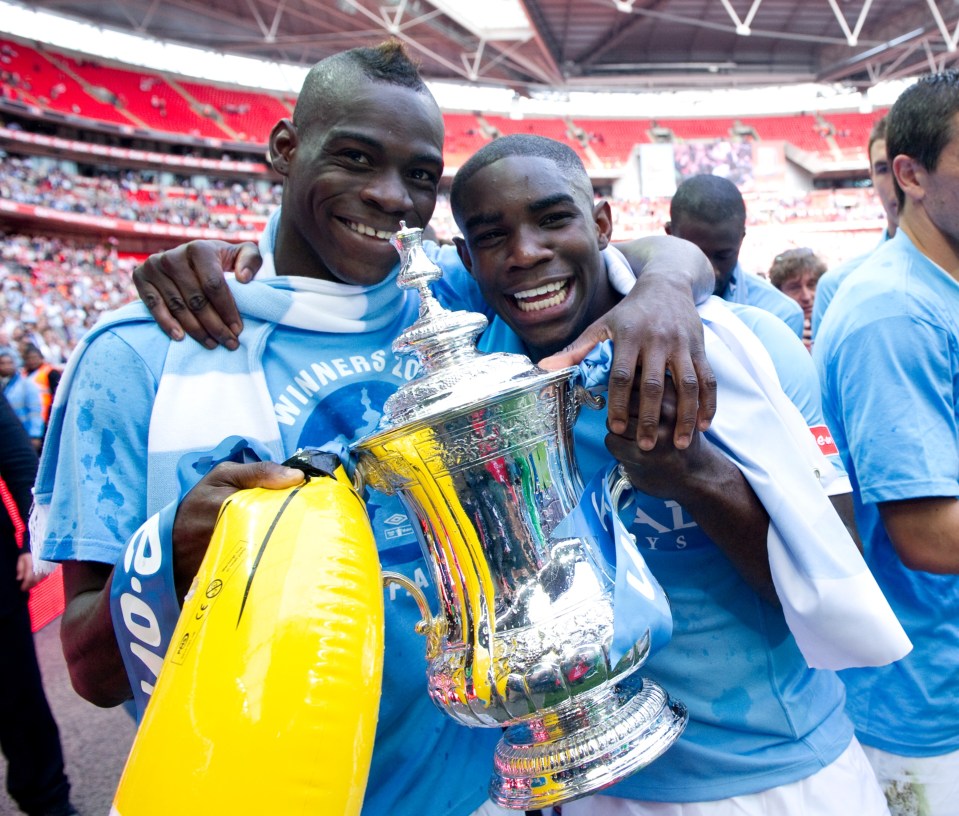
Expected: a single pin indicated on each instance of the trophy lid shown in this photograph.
(454, 374)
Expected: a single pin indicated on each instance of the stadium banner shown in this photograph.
(59, 144)
(751, 166)
(117, 226)
(657, 170)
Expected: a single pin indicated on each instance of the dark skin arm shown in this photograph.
(655, 327)
(185, 291)
(86, 634)
(925, 532)
(655, 330)
(844, 508)
(708, 486)
(89, 642)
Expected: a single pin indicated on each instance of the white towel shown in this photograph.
(834, 607)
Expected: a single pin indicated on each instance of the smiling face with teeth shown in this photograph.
(532, 240)
(367, 156)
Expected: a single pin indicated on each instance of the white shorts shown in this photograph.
(846, 787)
(918, 786)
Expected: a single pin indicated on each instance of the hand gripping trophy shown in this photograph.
(479, 449)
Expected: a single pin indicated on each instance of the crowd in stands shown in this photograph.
(648, 216)
(230, 205)
(52, 291)
(133, 195)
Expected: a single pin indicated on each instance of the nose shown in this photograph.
(527, 250)
(387, 190)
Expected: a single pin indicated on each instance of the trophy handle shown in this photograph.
(582, 396)
(429, 626)
(619, 487)
(359, 478)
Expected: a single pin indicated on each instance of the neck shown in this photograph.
(939, 247)
(293, 255)
(723, 286)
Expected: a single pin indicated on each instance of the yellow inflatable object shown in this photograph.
(268, 697)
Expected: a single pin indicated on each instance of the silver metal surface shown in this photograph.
(480, 450)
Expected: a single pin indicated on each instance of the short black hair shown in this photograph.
(707, 198)
(387, 62)
(520, 144)
(878, 132)
(920, 121)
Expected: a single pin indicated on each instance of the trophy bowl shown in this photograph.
(479, 449)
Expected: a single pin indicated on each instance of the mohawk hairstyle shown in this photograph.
(387, 62)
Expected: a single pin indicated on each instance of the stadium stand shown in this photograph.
(557, 129)
(52, 290)
(28, 75)
(464, 136)
(116, 95)
(148, 97)
(613, 140)
(803, 131)
(248, 116)
(148, 161)
(851, 131)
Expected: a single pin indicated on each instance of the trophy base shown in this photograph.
(583, 747)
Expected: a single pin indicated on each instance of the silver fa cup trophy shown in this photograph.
(479, 449)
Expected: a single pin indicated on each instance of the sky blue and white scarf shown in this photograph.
(143, 600)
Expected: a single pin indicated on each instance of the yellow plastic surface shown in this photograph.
(460, 548)
(268, 697)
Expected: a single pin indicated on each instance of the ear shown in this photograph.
(283, 141)
(463, 252)
(668, 227)
(603, 218)
(910, 176)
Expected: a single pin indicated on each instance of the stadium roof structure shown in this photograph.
(566, 45)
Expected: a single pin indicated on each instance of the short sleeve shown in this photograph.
(894, 381)
(99, 493)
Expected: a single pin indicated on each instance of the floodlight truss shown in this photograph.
(893, 59)
(497, 48)
(572, 44)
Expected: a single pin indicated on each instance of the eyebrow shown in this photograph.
(539, 205)
(551, 201)
(376, 144)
